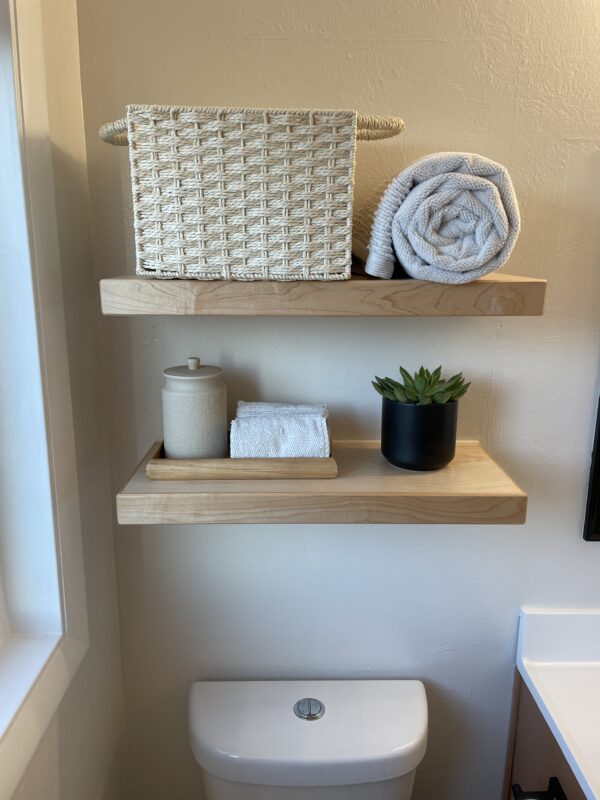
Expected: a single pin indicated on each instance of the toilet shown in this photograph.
(294, 740)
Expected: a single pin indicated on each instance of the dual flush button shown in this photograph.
(309, 708)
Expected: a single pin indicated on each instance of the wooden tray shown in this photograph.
(159, 468)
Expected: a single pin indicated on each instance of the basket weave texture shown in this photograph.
(242, 194)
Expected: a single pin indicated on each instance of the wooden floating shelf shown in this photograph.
(472, 490)
(496, 294)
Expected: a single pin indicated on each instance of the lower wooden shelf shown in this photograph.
(472, 490)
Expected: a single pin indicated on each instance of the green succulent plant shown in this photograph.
(423, 388)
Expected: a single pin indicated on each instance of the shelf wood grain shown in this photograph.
(472, 490)
(497, 294)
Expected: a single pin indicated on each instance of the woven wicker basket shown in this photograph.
(244, 194)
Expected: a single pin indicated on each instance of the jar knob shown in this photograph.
(193, 363)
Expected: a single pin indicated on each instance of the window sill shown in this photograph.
(35, 672)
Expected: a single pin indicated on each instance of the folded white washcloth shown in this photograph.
(449, 218)
(270, 436)
(245, 409)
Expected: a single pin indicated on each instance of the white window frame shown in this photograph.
(37, 670)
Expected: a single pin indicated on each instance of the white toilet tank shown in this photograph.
(294, 740)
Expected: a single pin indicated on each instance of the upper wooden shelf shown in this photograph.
(472, 489)
(494, 295)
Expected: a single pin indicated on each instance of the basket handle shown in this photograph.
(114, 132)
(369, 129)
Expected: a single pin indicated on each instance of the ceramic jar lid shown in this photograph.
(193, 369)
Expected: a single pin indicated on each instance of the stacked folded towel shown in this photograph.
(449, 218)
(280, 430)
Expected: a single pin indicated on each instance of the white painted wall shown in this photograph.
(82, 753)
(515, 81)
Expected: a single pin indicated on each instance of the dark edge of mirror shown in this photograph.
(591, 526)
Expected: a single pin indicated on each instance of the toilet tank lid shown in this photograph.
(247, 731)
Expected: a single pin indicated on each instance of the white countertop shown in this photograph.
(558, 656)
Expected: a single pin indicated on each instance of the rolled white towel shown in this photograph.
(270, 436)
(448, 218)
(245, 409)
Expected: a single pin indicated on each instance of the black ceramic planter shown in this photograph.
(418, 437)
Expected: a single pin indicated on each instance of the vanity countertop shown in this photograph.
(558, 656)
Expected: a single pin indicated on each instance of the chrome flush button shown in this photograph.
(309, 708)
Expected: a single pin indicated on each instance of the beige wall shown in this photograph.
(515, 81)
(82, 754)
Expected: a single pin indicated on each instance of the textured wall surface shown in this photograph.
(82, 753)
(517, 82)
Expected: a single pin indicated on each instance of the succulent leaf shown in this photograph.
(408, 381)
(400, 395)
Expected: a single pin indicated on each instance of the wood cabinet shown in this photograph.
(535, 756)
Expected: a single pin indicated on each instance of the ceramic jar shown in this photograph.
(194, 400)
(419, 437)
